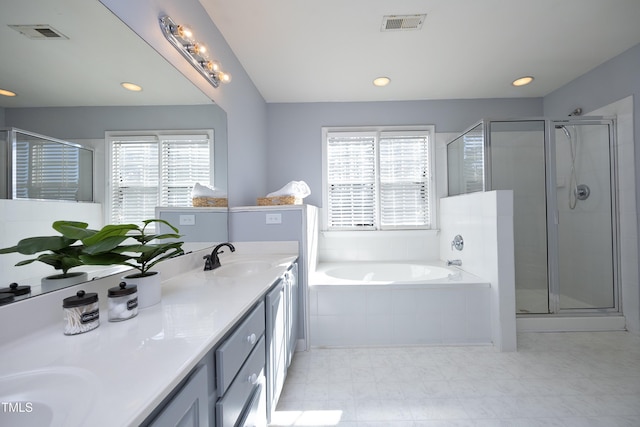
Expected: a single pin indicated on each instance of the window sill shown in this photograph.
(378, 233)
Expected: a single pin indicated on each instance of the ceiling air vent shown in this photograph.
(39, 32)
(402, 22)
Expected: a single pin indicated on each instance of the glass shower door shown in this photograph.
(586, 245)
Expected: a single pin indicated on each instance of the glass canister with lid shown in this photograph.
(123, 302)
(81, 313)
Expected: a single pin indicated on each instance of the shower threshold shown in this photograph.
(571, 323)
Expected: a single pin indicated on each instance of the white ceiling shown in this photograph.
(86, 69)
(331, 50)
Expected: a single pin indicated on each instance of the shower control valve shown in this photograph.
(457, 243)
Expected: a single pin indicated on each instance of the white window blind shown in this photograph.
(404, 180)
(185, 161)
(46, 171)
(156, 170)
(352, 181)
(378, 180)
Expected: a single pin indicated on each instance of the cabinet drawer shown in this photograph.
(254, 413)
(230, 356)
(238, 396)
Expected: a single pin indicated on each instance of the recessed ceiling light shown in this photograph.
(381, 81)
(522, 81)
(131, 86)
(5, 92)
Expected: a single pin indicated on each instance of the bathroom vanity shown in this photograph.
(213, 352)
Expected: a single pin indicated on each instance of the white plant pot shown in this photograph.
(59, 281)
(149, 289)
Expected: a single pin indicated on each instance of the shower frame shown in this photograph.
(551, 201)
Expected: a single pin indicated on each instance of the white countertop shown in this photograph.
(125, 369)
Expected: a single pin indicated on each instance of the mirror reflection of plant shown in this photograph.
(60, 251)
(109, 246)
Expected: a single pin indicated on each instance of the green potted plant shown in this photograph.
(133, 246)
(61, 252)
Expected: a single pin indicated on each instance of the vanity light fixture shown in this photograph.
(5, 92)
(181, 37)
(381, 81)
(522, 81)
(131, 86)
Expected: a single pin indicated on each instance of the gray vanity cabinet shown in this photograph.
(239, 381)
(281, 333)
(188, 406)
(240, 376)
(276, 344)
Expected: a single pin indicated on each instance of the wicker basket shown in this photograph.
(279, 200)
(210, 202)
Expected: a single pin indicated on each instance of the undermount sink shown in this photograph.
(58, 396)
(242, 268)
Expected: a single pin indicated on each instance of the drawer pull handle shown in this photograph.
(253, 378)
(251, 339)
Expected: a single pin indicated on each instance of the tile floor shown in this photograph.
(555, 379)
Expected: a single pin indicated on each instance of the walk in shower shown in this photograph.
(562, 173)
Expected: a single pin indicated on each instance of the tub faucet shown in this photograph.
(457, 262)
(213, 261)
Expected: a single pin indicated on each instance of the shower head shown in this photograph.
(565, 130)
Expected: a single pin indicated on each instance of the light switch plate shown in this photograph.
(274, 218)
(187, 220)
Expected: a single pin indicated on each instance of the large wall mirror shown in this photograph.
(66, 60)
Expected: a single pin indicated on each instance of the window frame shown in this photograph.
(377, 131)
(158, 135)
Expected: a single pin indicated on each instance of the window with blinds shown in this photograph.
(149, 170)
(378, 180)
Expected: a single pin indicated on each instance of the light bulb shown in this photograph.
(198, 49)
(183, 32)
(201, 49)
(224, 77)
(211, 66)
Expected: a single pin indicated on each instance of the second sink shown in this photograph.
(242, 268)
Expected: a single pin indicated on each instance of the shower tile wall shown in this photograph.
(414, 245)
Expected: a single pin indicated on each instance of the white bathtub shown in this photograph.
(380, 303)
(392, 273)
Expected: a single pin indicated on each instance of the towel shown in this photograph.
(200, 190)
(294, 188)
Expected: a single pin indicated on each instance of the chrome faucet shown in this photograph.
(213, 261)
(457, 262)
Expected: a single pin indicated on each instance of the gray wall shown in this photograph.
(295, 140)
(245, 107)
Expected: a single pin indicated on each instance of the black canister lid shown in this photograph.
(15, 289)
(122, 289)
(6, 297)
(80, 298)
